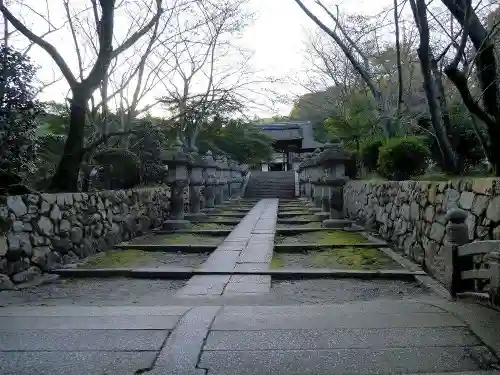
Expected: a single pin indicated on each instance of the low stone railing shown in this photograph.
(40, 232)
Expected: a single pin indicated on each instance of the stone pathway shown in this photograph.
(373, 337)
(248, 247)
(238, 324)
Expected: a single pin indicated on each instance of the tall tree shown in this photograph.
(82, 88)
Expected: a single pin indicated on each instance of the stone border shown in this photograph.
(297, 248)
(185, 248)
(214, 232)
(181, 273)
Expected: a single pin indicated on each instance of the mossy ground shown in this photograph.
(119, 258)
(191, 239)
(323, 238)
(314, 224)
(130, 258)
(201, 226)
(338, 258)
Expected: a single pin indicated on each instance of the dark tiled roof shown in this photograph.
(292, 130)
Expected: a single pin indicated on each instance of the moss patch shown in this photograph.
(201, 226)
(118, 258)
(191, 239)
(342, 258)
(323, 238)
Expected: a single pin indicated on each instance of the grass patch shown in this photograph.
(187, 238)
(314, 224)
(118, 258)
(323, 237)
(202, 226)
(276, 262)
(343, 258)
(353, 258)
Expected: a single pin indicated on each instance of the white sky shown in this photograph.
(277, 38)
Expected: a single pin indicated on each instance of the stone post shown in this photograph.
(210, 178)
(219, 189)
(457, 234)
(333, 160)
(226, 172)
(235, 173)
(196, 184)
(315, 174)
(177, 177)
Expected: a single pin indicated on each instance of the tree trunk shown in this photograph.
(66, 176)
(438, 79)
(449, 157)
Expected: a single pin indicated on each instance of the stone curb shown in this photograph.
(222, 232)
(297, 248)
(185, 248)
(180, 273)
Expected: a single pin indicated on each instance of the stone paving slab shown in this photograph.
(118, 322)
(341, 361)
(183, 347)
(247, 287)
(239, 249)
(309, 339)
(74, 363)
(334, 320)
(82, 340)
(83, 311)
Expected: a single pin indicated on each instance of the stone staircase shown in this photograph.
(271, 185)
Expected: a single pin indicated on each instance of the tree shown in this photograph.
(487, 73)
(82, 88)
(243, 142)
(19, 111)
(437, 108)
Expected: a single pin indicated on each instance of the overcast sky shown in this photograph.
(277, 38)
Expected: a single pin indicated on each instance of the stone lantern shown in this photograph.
(210, 178)
(177, 178)
(196, 184)
(333, 161)
(315, 173)
(235, 178)
(219, 189)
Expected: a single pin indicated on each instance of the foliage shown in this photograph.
(18, 112)
(121, 168)
(370, 151)
(355, 123)
(402, 158)
(241, 141)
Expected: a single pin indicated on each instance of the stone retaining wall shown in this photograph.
(44, 231)
(411, 214)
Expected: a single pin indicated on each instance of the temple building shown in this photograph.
(291, 139)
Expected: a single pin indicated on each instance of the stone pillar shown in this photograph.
(210, 178)
(226, 172)
(235, 173)
(177, 177)
(196, 184)
(457, 234)
(219, 189)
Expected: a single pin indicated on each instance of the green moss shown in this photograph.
(209, 226)
(352, 258)
(118, 258)
(187, 238)
(323, 237)
(276, 262)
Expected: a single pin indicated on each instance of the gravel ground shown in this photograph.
(99, 292)
(120, 291)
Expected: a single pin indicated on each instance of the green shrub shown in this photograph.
(369, 153)
(402, 158)
(122, 167)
